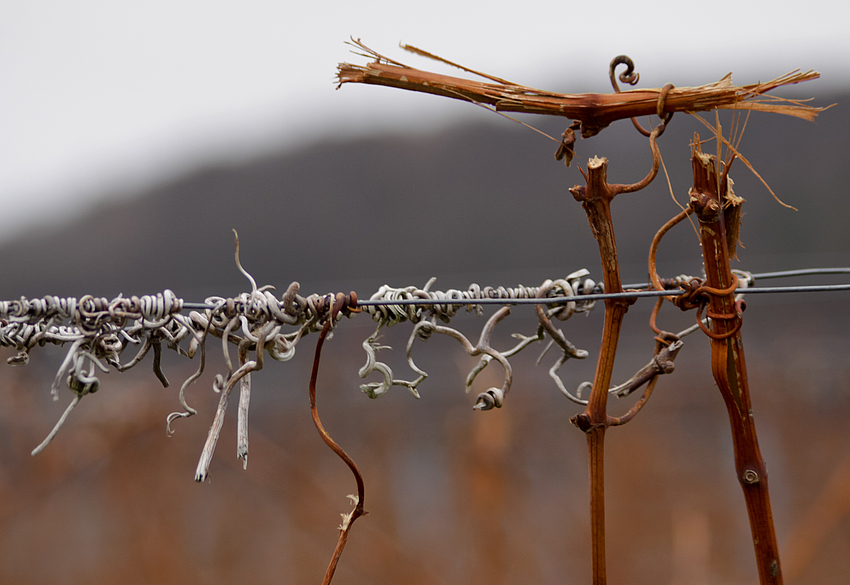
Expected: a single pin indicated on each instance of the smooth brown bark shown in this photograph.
(596, 200)
(728, 364)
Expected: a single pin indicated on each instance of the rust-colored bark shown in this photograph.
(718, 227)
(594, 110)
(727, 360)
(596, 200)
(350, 302)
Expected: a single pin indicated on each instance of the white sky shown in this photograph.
(96, 95)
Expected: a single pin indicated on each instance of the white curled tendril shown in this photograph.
(425, 316)
(97, 332)
(376, 389)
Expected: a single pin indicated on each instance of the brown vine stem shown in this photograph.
(596, 199)
(727, 358)
(595, 111)
(653, 251)
(347, 519)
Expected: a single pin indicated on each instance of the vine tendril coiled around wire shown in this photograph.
(425, 316)
(97, 331)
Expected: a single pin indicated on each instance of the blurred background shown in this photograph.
(136, 137)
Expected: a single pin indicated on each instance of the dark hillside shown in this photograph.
(478, 200)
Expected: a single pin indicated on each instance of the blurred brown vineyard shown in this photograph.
(454, 496)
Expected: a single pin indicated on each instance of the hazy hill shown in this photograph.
(488, 200)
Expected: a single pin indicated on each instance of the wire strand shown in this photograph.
(98, 330)
(778, 274)
(587, 297)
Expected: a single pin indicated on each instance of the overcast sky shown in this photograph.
(100, 94)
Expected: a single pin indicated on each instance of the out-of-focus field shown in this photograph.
(454, 496)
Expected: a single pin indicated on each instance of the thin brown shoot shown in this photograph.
(745, 161)
(673, 195)
(358, 511)
(653, 317)
(423, 53)
(718, 131)
(594, 111)
(371, 53)
(698, 142)
(656, 241)
(583, 174)
(736, 135)
(669, 184)
(733, 134)
(467, 98)
(743, 128)
(504, 115)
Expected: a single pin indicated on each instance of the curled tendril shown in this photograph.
(632, 77)
(392, 314)
(629, 76)
(573, 285)
(97, 332)
(376, 389)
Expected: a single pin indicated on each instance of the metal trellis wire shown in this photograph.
(99, 330)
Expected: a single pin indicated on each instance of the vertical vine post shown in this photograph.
(596, 200)
(727, 352)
